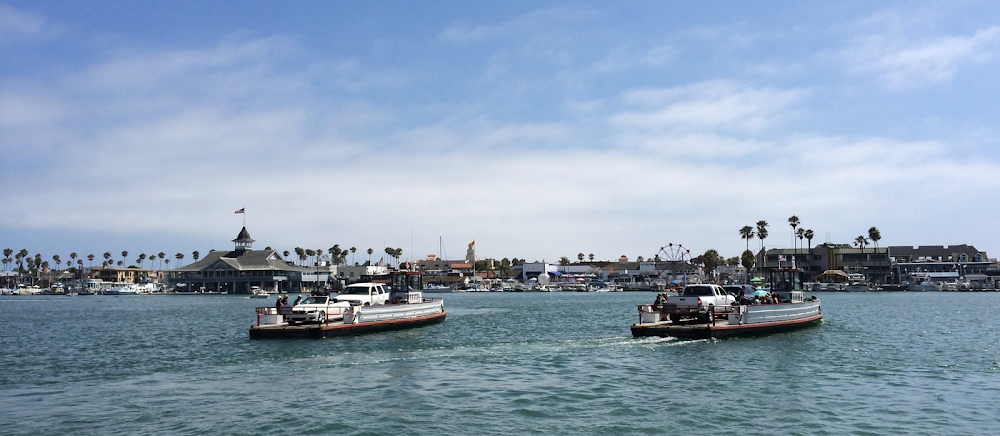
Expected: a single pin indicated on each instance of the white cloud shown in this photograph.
(17, 25)
(710, 105)
(901, 59)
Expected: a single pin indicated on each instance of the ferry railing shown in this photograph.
(272, 310)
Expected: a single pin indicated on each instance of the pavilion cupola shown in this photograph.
(243, 241)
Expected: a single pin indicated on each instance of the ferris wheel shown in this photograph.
(673, 262)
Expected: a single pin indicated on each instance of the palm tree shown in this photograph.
(195, 255)
(809, 237)
(161, 255)
(793, 221)
(747, 233)
(58, 260)
(875, 235)
(800, 233)
(860, 241)
(370, 251)
(591, 257)
(124, 255)
(353, 249)
(761, 234)
(167, 262)
(580, 256)
(285, 253)
(179, 256)
(300, 252)
(72, 257)
(90, 258)
(107, 258)
(142, 257)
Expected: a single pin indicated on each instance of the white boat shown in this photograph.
(856, 283)
(257, 292)
(437, 288)
(124, 289)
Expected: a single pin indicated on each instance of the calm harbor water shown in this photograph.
(513, 363)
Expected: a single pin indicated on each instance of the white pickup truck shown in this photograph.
(694, 302)
(364, 294)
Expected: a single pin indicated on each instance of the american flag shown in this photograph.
(241, 210)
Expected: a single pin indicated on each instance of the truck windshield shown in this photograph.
(698, 291)
(355, 290)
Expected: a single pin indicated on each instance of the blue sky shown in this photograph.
(538, 129)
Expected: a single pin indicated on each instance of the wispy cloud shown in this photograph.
(19, 25)
(709, 105)
(901, 59)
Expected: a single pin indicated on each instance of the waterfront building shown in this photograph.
(237, 270)
(954, 265)
(873, 262)
(885, 265)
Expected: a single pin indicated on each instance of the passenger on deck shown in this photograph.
(777, 298)
(744, 301)
(297, 300)
(278, 302)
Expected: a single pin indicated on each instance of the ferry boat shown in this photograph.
(739, 319)
(407, 308)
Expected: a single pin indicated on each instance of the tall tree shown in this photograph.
(58, 260)
(747, 233)
(793, 221)
(107, 258)
(195, 255)
(874, 235)
(90, 259)
(72, 257)
(861, 241)
(124, 255)
(809, 237)
(591, 257)
(580, 257)
(161, 255)
(370, 251)
(142, 258)
(762, 234)
(179, 257)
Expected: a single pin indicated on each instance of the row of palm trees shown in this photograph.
(22, 257)
(26, 263)
(760, 231)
